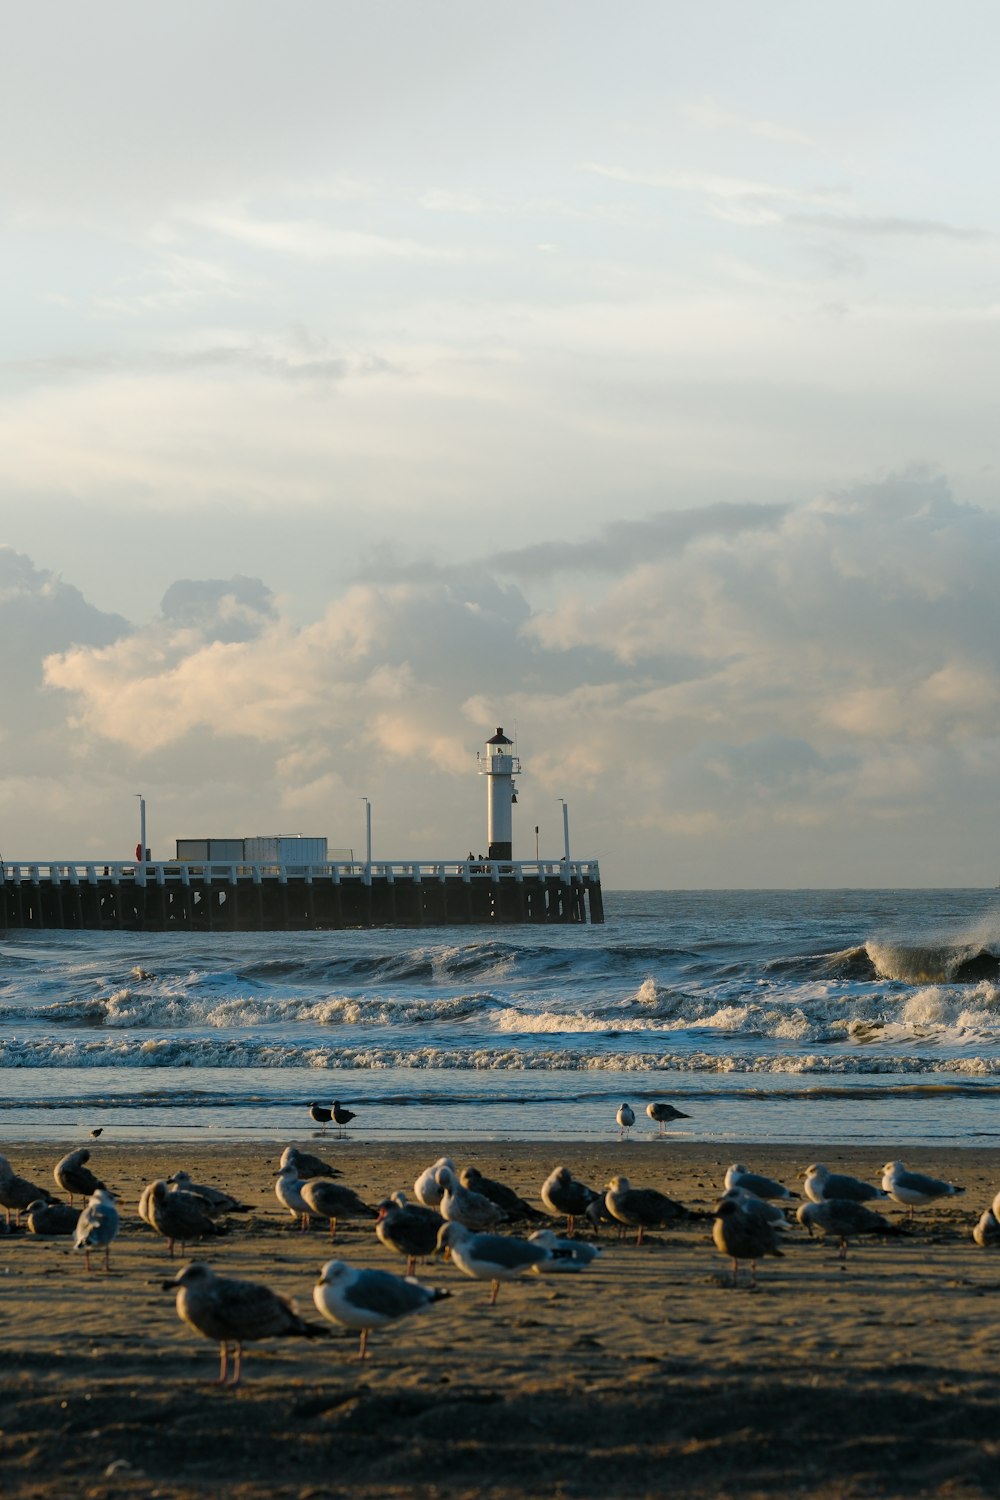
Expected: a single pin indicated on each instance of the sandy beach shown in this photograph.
(647, 1374)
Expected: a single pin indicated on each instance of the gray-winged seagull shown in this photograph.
(913, 1189)
(369, 1299)
(490, 1257)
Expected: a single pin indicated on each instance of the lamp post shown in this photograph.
(141, 851)
(368, 840)
(565, 808)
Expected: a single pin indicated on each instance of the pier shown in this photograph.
(170, 896)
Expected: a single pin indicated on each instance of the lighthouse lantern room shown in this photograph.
(499, 765)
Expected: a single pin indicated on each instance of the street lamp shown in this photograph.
(565, 808)
(368, 840)
(140, 853)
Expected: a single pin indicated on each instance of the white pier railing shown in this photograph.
(75, 872)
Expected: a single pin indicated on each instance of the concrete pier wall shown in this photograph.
(238, 898)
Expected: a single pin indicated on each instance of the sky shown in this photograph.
(377, 374)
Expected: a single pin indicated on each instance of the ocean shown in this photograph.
(782, 1016)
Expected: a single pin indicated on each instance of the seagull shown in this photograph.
(52, 1218)
(408, 1228)
(742, 1236)
(305, 1164)
(986, 1232)
(17, 1192)
(642, 1208)
(288, 1191)
(178, 1215)
(234, 1312)
(846, 1219)
(820, 1183)
(427, 1188)
(459, 1205)
(369, 1299)
(562, 1194)
(625, 1118)
(596, 1214)
(499, 1193)
(913, 1188)
(762, 1187)
(73, 1176)
(215, 1200)
(333, 1201)
(342, 1117)
(757, 1207)
(565, 1255)
(320, 1115)
(97, 1226)
(490, 1257)
(664, 1113)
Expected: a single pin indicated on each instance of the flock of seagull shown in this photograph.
(457, 1213)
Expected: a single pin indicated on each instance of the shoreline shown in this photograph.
(649, 1371)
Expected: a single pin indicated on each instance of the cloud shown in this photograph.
(794, 673)
(622, 545)
(709, 115)
(887, 226)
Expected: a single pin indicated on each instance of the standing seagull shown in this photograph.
(305, 1164)
(17, 1192)
(97, 1226)
(820, 1184)
(490, 1257)
(664, 1113)
(642, 1208)
(320, 1115)
(73, 1176)
(408, 1228)
(742, 1236)
(845, 1219)
(342, 1117)
(178, 1215)
(562, 1194)
(913, 1189)
(234, 1312)
(333, 1201)
(625, 1119)
(463, 1206)
(369, 1299)
(288, 1191)
(762, 1187)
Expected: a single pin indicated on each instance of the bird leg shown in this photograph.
(86, 1257)
(411, 1265)
(570, 1221)
(237, 1364)
(736, 1272)
(843, 1255)
(364, 1343)
(638, 1238)
(107, 1257)
(304, 1225)
(753, 1273)
(223, 1363)
(493, 1294)
(333, 1227)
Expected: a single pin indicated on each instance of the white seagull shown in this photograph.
(369, 1299)
(913, 1189)
(97, 1226)
(821, 1184)
(625, 1118)
(762, 1187)
(490, 1257)
(565, 1255)
(427, 1189)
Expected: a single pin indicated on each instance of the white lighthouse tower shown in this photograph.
(499, 766)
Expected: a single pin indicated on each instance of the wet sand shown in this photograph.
(647, 1375)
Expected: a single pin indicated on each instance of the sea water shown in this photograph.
(785, 1016)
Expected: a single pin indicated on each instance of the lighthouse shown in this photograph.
(499, 766)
